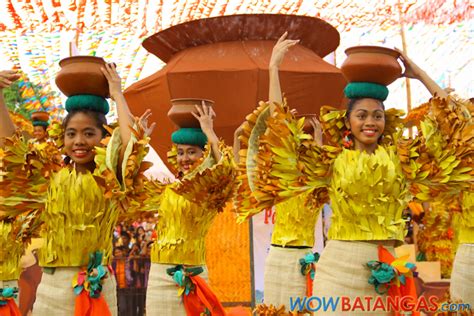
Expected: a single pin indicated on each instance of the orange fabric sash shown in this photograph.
(309, 283)
(407, 289)
(88, 306)
(201, 298)
(10, 309)
(87, 287)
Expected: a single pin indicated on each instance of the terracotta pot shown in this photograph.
(439, 289)
(307, 127)
(181, 109)
(40, 116)
(82, 75)
(371, 64)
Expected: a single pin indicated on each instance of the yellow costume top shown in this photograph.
(368, 192)
(296, 217)
(466, 219)
(187, 208)
(78, 210)
(295, 222)
(14, 234)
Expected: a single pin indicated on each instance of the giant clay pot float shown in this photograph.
(181, 111)
(82, 75)
(371, 64)
(40, 116)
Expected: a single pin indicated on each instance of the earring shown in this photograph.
(381, 138)
(346, 139)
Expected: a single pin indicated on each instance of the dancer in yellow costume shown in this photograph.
(79, 203)
(15, 231)
(462, 278)
(371, 173)
(15, 235)
(289, 267)
(186, 210)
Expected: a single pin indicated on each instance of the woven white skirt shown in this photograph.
(55, 295)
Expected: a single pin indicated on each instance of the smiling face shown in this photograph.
(81, 136)
(367, 123)
(187, 156)
(40, 134)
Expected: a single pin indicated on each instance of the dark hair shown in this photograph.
(45, 128)
(99, 118)
(125, 234)
(352, 102)
(121, 248)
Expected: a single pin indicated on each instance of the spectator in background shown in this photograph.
(124, 280)
(118, 230)
(147, 261)
(125, 241)
(138, 277)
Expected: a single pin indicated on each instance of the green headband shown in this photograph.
(41, 123)
(87, 102)
(357, 90)
(189, 136)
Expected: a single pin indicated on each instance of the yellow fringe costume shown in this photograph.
(186, 210)
(15, 235)
(368, 192)
(293, 232)
(78, 210)
(436, 240)
(462, 278)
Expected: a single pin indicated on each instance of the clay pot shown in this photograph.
(438, 289)
(181, 109)
(371, 64)
(307, 127)
(82, 75)
(40, 116)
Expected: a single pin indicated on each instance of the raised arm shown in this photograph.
(278, 53)
(413, 71)
(205, 115)
(236, 145)
(125, 117)
(7, 77)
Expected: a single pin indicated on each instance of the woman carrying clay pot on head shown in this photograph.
(79, 203)
(370, 172)
(186, 209)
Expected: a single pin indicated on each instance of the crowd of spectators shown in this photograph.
(131, 264)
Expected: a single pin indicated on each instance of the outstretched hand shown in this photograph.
(318, 131)
(7, 77)
(411, 69)
(143, 121)
(114, 80)
(280, 49)
(205, 115)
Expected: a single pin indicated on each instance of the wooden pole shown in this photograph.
(404, 49)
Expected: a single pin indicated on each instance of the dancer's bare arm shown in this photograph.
(413, 71)
(278, 53)
(7, 128)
